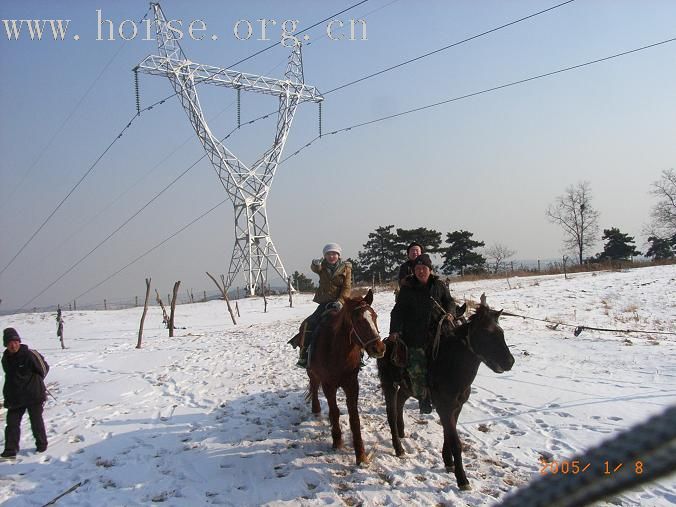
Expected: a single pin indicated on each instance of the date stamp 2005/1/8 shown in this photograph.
(575, 467)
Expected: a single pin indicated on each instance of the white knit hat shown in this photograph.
(332, 247)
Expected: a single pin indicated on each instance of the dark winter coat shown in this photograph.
(333, 285)
(411, 314)
(24, 377)
(405, 270)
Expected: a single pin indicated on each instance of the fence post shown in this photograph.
(143, 316)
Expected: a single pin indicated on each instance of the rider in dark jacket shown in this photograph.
(412, 253)
(24, 389)
(410, 320)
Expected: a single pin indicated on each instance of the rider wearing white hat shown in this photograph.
(335, 284)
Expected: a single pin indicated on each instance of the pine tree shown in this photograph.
(459, 255)
(428, 238)
(661, 248)
(381, 256)
(618, 245)
(302, 283)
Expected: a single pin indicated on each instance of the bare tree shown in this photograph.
(498, 254)
(577, 217)
(664, 212)
(224, 293)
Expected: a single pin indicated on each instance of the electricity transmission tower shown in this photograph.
(247, 187)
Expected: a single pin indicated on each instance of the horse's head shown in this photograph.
(364, 322)
(487, 340)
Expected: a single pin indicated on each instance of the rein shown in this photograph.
(354, 330)
(453, 324)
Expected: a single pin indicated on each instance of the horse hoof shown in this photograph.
(465, 487)
(401, 453)
(363, 462)
(450, 469)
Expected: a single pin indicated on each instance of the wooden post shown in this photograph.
(237, 308)
(143, 316)
(290, 292)
(565, 274)
(135, 300)
(265, 300)
(74, 306)
(105, 305)
(165, 317)
(173, 308)
(224, 293)
(192, 298)
(70, 307)
(204, 299)
(538, 265)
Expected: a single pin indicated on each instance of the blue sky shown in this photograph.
(490, 164)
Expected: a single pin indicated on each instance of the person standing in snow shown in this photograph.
(24, 389)
(335, 283)
(410, 321)
(413, 251)
(59, 327)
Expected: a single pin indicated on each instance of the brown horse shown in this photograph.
(334, 363)
(460, 352)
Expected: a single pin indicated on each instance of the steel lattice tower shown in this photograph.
(247, 187)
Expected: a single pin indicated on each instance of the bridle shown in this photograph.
(361, 342)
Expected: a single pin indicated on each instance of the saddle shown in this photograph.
(306, 328)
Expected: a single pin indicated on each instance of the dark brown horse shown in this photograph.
(334, 363)
(460, 352)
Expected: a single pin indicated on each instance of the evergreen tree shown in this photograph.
(302, 283)
(381, 256)
(460, 256)
(358, 272)
(661, 248)
(618, 245)
(428, 238)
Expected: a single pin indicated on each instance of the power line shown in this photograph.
(91, 168)
(298, 33)
(129, 124)
(364, 78)
(346, 129)
(480, 92)
(153, 248)
(82, 259)
(66, 120)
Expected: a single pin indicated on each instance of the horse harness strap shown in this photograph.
(437, 337)
(354, 331)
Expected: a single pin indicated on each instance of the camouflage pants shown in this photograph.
(417, 371)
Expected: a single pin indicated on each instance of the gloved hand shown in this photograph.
(316, 262)
(336, 305)
(393, 337)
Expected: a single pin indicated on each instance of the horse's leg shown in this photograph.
(391, 406)
(452, 443)
(314, 393)
(334, 414)
(351, 389)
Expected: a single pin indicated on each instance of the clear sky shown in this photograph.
(490, 164)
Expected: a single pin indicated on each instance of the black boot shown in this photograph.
(302, 358)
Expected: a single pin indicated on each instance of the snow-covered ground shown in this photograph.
(217, 414)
